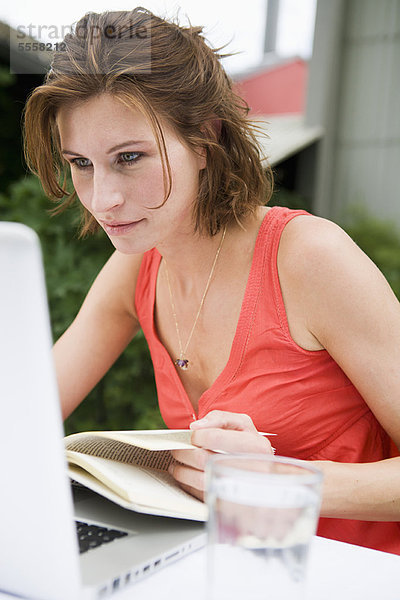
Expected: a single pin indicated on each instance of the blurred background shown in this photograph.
(323, 79)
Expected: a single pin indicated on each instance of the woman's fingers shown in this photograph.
(227, 440)
(199, 494)
(219, 431)
(188, 477)
(224, 420)
(192, 458)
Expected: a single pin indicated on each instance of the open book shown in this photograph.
(131, 469)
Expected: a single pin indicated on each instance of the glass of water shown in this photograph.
(263, 512)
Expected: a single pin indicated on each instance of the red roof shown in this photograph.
(276, 89)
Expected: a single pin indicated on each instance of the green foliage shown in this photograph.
(126, 397)
(289, 199)
(379, 239)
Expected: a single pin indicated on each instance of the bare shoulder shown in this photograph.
(115, 285)
(328, 283)
(314, 247)
(306, 234)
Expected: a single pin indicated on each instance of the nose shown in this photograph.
(107, 194)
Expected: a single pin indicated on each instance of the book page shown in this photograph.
(119, 451)
(161, 439)
(140, 489)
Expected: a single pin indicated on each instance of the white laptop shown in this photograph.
(39, 551)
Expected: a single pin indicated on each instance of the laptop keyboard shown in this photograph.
(93, 536)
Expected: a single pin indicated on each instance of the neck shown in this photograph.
(190, 256)
(190, 259)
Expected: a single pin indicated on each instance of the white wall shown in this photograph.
(355, 94)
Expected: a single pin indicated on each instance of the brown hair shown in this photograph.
(168, 72)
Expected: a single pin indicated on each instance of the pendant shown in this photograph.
(183, 363)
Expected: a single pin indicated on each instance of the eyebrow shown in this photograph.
(111, 150)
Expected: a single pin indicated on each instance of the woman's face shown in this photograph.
(117, 173)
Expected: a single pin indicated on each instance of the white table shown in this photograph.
(337, 571)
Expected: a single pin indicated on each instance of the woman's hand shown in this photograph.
(219, 431)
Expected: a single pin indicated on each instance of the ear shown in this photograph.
(211, 130)
(216, 125)
(201, 157)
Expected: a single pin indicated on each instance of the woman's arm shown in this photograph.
(102, 329)
(344, 303)
(350, 310)
(367, 491)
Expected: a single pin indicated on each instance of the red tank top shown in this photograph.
(303, 396)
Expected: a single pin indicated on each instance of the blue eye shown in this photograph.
(125, 159)
(129, 157)
(81, 163)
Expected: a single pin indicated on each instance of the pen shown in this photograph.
(259, 433)
(268, 435)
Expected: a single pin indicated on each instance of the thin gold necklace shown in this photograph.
(183, 362)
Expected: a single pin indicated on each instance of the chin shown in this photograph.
(130, 246)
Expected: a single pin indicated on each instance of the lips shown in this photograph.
(118, 227)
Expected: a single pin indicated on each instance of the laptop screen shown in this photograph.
(36, 558)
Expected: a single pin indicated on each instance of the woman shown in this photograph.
(257, 318)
